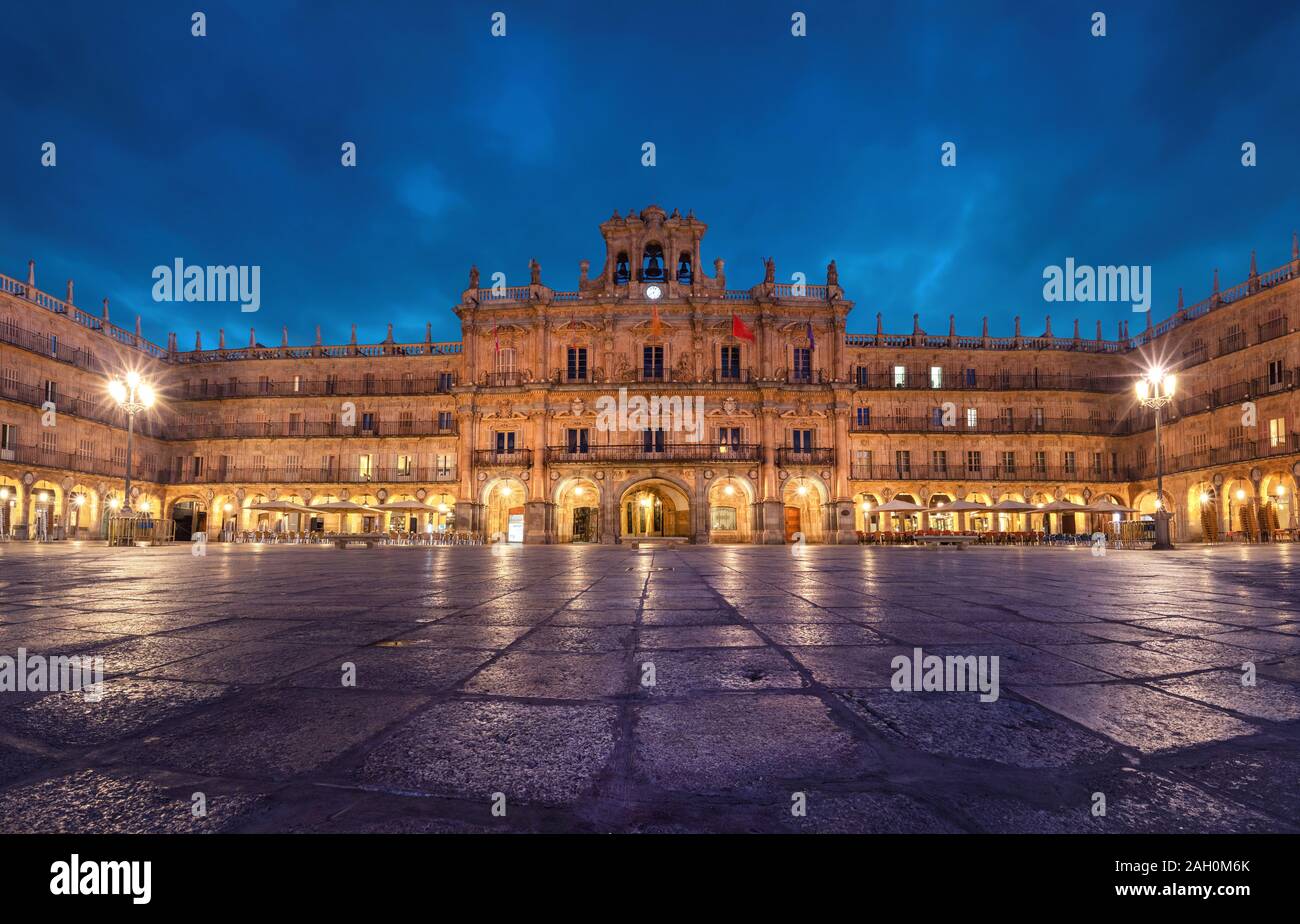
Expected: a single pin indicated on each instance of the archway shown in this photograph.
(504, 500)
(9, 492)
(190, 515)
(46, 497)
(804, 498)
(865, 519)
(82, 512)
(731, 506)
(1278, 489)
(577, 508)
(655, 507)
(1202, 512)
(938, 517)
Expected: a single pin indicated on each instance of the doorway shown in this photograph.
(792, 523)
(584, 524)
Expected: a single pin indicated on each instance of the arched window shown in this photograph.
(621, 271)
(684, 268)
(652, 263)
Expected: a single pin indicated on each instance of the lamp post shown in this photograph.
(1155, 391)
(133, 396)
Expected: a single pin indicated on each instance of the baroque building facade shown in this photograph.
(804, 428)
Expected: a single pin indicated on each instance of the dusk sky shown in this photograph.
(473, 149)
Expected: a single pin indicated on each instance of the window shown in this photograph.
(365, 466)
(802, 364)
(505, 441)
(1040, 462)
(974, 463)
(863, 377)
(297, 384)
(84, 449)
(939, 461)
(327, 466)
(1036, 416)
(404, 421)
(652, 362)
(8, 436)
(729, 359)
(723, 518)
(445, 381)
(862, 459)
(970, 378)
(368, 422)
(1009, 463)
(729, 437)
(264, 385)
(936, 417)
(445, 424)
(577, 364)
(900, 376)
(1277, 432)
(405, 465)
(1068, 461)
(1008, 419)
(1236, 437)
(903, 463)
(51, 390)
(368, 383)
(1275, 374)
(505, 360)
(331, 384)
(292, 467)
(295, 424)
(936, 376)
(1096, 463)
(863, 416)
(801, 440)
(577, 439)
(972, 418)
(653, 440)
(444, 464)
(48, 443)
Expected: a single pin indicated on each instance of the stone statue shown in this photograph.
(535, 269)
(719, 274)
(584, 266)
(832, 274)
(473, 277)
(769, 271)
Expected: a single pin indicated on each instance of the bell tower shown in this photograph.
(652, 247)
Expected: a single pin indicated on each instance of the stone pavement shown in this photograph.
(519, 671)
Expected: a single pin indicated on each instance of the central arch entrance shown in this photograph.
(655, 508)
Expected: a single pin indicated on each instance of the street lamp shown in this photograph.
(132, 396)
(1155, 391)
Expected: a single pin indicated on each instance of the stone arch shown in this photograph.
(731, 501)
(578, 509)
(656, 505)
(504, 498)
(804, 498)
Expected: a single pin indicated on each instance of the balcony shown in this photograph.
(969, 380)
(305, 429)
(514, 458)
(328, 387)
(1272, 329)
(860, 471)
(731, 375)
(246, 473)
(668, 452)
(1232, 343)
(788, 456)
(504, 379)
(997, 425)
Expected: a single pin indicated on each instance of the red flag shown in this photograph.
(738, 329)
(656, 326)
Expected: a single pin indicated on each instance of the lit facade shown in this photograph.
(800, 434)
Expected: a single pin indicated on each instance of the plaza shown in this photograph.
(515, 677)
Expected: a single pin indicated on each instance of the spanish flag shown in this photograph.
(656, 326)
(738, 329)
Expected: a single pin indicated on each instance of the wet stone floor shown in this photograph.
(708, 688)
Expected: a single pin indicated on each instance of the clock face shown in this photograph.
(653, 292)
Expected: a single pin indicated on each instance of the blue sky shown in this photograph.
(474, 149)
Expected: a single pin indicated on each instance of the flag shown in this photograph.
(738, 329)
(811, 343)
(656, 326)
